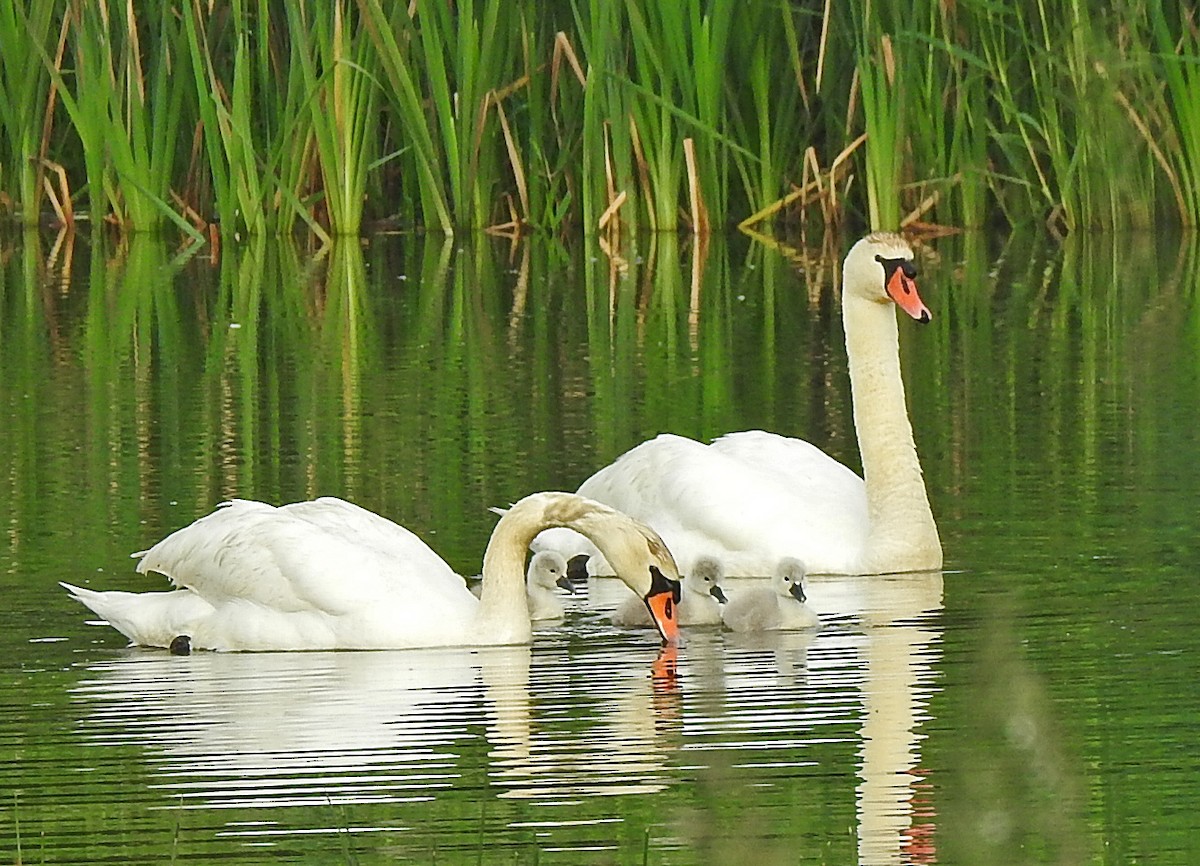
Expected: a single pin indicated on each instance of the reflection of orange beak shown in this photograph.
(662, 608)
(664, 673)
(902, 289)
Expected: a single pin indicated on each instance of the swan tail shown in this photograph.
(146, 618)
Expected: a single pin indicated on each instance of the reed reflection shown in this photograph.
(774, 694)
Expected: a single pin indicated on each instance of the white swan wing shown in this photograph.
(326, 554)
(315, 574)
(749, 513)
(410, 558)
(830, 493)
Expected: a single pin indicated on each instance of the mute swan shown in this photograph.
(700, 599)
(780, 607)
(753, 498)
(327, 574)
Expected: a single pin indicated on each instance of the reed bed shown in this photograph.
(347, 116)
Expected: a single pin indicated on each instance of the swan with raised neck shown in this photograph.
(755, 498)
(877, 273)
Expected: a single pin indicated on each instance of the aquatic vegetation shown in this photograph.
(349, 116)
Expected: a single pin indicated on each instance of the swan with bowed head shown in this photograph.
(327, 574)
(753, 498)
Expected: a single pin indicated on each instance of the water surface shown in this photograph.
(1033, 704)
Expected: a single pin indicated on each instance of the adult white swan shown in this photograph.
(327, 574)
(753, 498)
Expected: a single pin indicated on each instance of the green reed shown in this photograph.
(1178, 44)
(341, 97)
(337, 117)
(25, 36)
(125, 106)
(231, 64)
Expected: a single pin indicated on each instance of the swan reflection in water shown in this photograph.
(875, 661)
(282, 729)
(898, 655)
(553, 723)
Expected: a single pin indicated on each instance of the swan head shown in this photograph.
(637, 554)
(547, 570)
(705, 578)
(880, 268)
(789, 579)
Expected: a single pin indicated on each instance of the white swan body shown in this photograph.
(781, 607)
(327, 574)
(700, 599)
(754, 498)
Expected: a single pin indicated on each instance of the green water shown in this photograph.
(1034, 704)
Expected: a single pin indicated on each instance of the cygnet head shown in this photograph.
(880, 268)
(547, 570)
(789, 578)
(706, 576)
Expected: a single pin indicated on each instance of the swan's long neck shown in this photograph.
(628, 546)
(503, 616)
(902, 535)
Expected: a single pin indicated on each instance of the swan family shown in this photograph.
(328, 574)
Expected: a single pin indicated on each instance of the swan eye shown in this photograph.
(906, 266)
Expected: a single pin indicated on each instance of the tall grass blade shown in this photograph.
(27, 33)
(392, 38)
